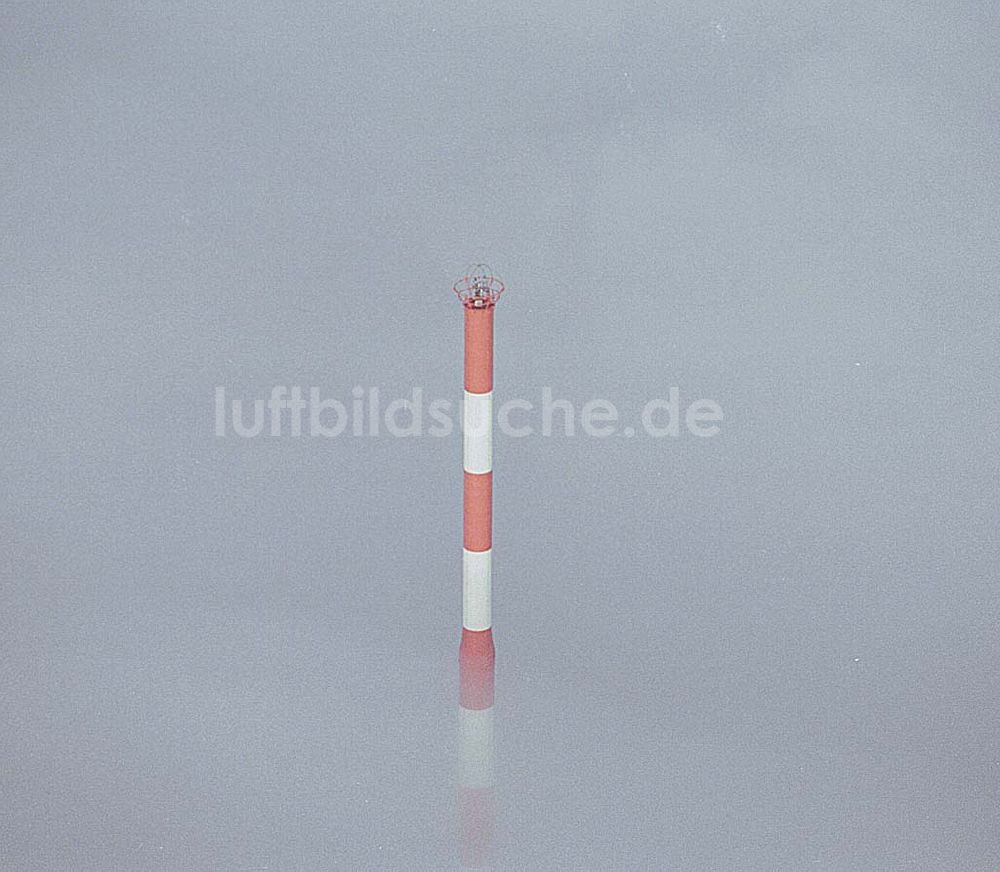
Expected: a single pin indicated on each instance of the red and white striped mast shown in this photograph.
(479, 291)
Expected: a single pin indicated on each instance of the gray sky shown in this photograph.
(771, 649)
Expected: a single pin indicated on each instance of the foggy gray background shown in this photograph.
(775, 649)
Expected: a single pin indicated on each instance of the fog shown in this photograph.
(773, 648)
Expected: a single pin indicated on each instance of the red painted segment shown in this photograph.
(479, 350)
(477, 516)
(476, 669)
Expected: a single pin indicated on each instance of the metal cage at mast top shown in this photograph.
(479, 288)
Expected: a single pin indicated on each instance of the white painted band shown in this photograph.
(477, 586)
(478, 429)
(476, 738)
